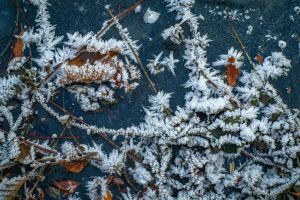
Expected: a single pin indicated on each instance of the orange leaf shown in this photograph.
(231, 74)
(259, 58)
(296, 194)
(68, 187)
(108, 195)
(18, 47)
(75, 166)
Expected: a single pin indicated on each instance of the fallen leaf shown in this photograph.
(274, 117)
(92, 57)
(108, 195)
(115, 180)
(289, 89)
(68, 187)
(231, 74)
(41, 194)
(231, 59)
(24, 152)
(75, 166)
(117, 76)
(18, 47)
(259, 59)
(90, 74)
(296, 194)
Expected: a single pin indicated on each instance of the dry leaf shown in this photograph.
(115, 180)
(117, 76)
(86, 73)
(259, 59)
(75, 166)
(231, 59)
(68, 187)
(289, 89)
(92, 57)
(108, 195)
(24, 152)
(296, 194)
(18, 47)
(41, 194)
(231, 74)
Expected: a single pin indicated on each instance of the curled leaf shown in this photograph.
(75, 166)
(67, 187)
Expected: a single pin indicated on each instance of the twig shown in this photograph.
(103, 135)
(150, 83)
(112, 21)
(37, 146)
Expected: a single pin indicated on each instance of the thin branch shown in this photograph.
(135, 54)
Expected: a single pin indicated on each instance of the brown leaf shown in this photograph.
(108, 196)
(91, 75)
(116, 76)
(41, 194)
(115, 180)
(231, 74)
(296, 194)
(231, 59)
(75, 166)
(18, 47)
(289, 89)
(68, 187)
(259, 59)
(92, 57)
(24, 152)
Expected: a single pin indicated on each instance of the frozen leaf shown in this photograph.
(231, 74)
(296, 194)
(75, 166)
(68, 187)
(289, 89)
(108, 195)
(259, 59)
(115, 180)
(24, 152)
(18, 47)
(92, 57)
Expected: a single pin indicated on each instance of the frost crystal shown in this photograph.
(150, 16)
